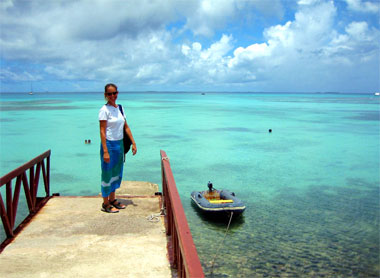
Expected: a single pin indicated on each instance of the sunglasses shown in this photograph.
(114, 93)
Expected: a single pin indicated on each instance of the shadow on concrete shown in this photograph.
(127, 202)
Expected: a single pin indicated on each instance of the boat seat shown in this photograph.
(212, 195)
(220, 201)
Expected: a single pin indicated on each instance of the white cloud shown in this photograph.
(306, 48)
(358, 30)
(280, 35)
(307, 2)
(215, 52)
(8, 74)
(131, 43)
(89, 39)
(5, 4)
(209, 64)
(298, 39)
(204, 17)
(250, 53)
(209, 15)
(360, 6)
(218, 50)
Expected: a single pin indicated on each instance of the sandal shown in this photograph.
(117, 204)
(108, 208)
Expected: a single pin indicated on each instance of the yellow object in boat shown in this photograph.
(220, 201)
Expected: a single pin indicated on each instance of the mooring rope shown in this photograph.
(165, 158)
(154, 217)
(220, 244)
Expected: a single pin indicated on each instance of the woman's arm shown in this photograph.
(106, 155)
(129, 132)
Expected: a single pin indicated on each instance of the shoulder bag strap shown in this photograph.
(121, 110)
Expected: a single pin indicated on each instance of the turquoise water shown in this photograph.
(311, 186)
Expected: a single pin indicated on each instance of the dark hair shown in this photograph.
(109, 85)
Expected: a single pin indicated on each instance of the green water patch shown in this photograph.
(164, 101)
(7, 120)
(86, 154)
(366, 116)
(8, 132)
(34, 102)
(223, 129)
(142, 174)
(89, 192)
(36, 107)
(62, 183)
(361, 184)
(17, 162)
(40, 105)
(149, 108)
(324, 100)
(169, 136)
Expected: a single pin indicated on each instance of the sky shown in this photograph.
(189, 45)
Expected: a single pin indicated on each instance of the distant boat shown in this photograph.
(31, 89)
(377, 94)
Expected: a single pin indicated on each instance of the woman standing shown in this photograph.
(112, 123)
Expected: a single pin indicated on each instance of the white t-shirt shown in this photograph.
(115, 122)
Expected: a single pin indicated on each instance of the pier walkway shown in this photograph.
(72, 237)
(69, 236)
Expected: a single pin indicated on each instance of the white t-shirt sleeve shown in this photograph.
(103, 114)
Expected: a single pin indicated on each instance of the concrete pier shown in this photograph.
(72, 237)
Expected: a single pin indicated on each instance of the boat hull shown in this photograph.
(234, 205)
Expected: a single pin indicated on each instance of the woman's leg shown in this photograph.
(106, 202)
(112, 198)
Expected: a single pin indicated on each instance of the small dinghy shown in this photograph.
(217, 202)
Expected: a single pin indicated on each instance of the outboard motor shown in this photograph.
(210, 189)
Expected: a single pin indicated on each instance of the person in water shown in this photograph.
(112, 123)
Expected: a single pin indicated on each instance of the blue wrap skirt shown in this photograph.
(112, 172)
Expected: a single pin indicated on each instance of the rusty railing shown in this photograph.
(184, 253)
(8, 214)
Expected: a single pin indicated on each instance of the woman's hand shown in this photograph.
(106, 157)
(134, 149)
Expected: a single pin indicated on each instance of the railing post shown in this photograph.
(16, 196)
(4, 219)
(27, 192)
(46, 183)
(9, 203)
(48, 175)
(31, 187)
(36, 181)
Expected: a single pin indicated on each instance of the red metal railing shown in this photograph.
(8, 214)
(184, 254)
